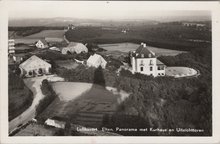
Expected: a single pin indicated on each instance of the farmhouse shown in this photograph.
(42, 43)
(56, 122)
(34, 66)
(74, 47)
(96, 61)
(144, 61)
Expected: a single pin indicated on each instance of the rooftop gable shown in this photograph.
(31, 59)
(143, 52)
(43, 41)
(158, 62)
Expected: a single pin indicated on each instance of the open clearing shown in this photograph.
(48, 33)
(180, 72)
(126, 47)
(83, 103)
(68, 64)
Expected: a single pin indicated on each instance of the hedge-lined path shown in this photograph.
(34, 84)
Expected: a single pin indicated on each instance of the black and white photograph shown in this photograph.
(108, 68)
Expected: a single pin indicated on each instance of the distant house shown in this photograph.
(75, 47)
(34, 66)
(71, 27)
(42, 43)
(96, 61)
(144, 61)
(56, 122)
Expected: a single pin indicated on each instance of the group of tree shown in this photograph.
(49, 96)
(20, 97)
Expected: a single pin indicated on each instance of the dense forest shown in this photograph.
(26, 31)
(165, 35)
(20, 97)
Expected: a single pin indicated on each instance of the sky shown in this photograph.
(100, 10)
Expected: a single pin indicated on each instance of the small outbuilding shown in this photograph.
(75, 47)
(56, 122)
(34, 66)
(42, 43)
(96, 61)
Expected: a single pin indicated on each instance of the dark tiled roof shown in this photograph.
(43, 41)
(143, 52)
(159, 62)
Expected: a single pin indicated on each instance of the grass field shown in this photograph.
(48, 33)
(26, 40)
(126, 47)
(82, 103)
(68, 64)
(180, 72)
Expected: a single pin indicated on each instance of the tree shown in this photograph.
(99, 77)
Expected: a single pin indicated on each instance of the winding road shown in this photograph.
(34, 85)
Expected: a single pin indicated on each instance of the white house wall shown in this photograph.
(137, 64)
(146, 66)
(35, 66)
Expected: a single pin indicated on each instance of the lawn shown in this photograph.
(68, 64)
(180, 72)
(82, 103)
(126, 47)
(48, 33)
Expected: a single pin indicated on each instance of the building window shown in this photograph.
(160, 68)
(142, 68)
(159, 74)
(142, 63)
(151, 62)
(30, 73)
(151, 68)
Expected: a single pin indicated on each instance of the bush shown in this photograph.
(49, 94)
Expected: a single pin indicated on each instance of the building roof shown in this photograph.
(43, 41)
(75, 47)
(158, 62)
(96, 58)
(143, 52)
(30, 60)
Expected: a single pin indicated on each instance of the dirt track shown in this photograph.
(34, 85)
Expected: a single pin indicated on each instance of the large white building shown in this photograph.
(144, 61)
(96, 61)
(34, 66)
(75, 47)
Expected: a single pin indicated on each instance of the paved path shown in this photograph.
(34, 85)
